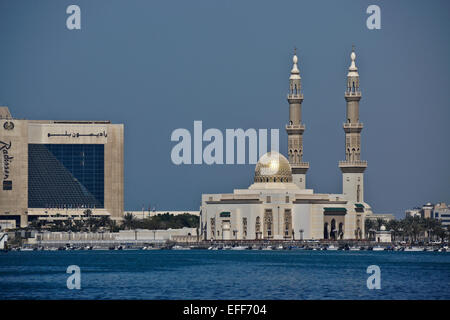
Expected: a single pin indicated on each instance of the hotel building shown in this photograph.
(54, 170)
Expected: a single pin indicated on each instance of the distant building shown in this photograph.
(148, 213)
(57, 169)
(383, 235)
(376, 216)
(440, 211)
(413, 213)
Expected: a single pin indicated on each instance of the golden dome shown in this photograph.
(273, 167)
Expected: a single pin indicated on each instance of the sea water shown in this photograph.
(205, 274)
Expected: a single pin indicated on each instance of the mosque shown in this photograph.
(278, 206)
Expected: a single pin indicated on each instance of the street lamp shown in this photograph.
(301, 234)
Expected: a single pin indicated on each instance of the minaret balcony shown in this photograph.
(353, 163)
(353, 127)
(299, 167)
(295, 98)
(295, 128)
(353, 95)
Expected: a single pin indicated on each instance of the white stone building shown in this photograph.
(278, 205)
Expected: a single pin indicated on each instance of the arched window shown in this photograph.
(341, 231)
(258, 227)
(333, 229)
(325, 230)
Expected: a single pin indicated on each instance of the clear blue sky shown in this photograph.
(159, 65)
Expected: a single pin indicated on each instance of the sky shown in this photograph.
(156, 66)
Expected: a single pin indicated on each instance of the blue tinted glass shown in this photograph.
(65, 175)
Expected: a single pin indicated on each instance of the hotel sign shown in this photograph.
(6, 162)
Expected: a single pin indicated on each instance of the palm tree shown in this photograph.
(128, 220)
(369, 225)
(87, 213)
(394, 226)
(380, 222)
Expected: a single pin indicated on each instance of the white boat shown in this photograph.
(239, 248)
(226, 248)
(177, 247)
(267, 248)
(280, 247)
(355, 249)
(413, 249)
(150, 248)
(99, 248)
(26, 249)
(332, 247)
(378, 248)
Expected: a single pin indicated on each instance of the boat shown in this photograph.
(413, 249)
(355, 249)
(177, 247)
(239, 248)
(378, 248)
(332, 247)
(267, 248)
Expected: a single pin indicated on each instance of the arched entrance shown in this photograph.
(341, 231)
(258, 228)
(333, 229)
(325, 231)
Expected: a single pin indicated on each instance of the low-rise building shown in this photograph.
(376, 216)
(149, 213)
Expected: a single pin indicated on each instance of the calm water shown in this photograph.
(200, 274)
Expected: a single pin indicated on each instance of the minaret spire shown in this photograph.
(353, 167)
(295, 128)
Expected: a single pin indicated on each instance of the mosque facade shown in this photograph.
(278, 206)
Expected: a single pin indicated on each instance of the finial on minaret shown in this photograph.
(353, 70)
(295, 70)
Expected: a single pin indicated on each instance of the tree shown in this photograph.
(369, 226)
(87, 213)
(128, 221)
(379, 223)
(394, 226)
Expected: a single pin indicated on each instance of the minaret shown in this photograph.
(353, 167)
(295, 128)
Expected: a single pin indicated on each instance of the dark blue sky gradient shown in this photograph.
(159, 65)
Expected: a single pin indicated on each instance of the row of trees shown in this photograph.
(411, 229)
(161, 221)
(89, 223)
